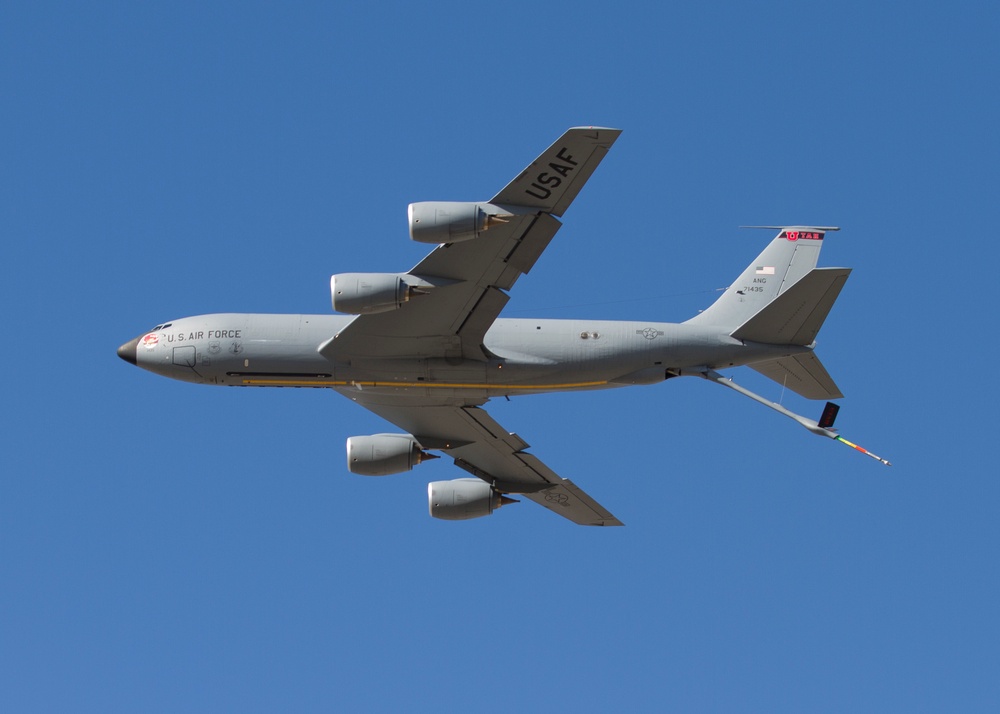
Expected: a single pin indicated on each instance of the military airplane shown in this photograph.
(426, 349)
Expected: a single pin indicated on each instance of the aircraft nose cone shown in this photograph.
(128, 350)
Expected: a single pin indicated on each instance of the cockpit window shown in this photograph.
(161, 327)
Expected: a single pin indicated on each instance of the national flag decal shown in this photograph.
(764, 270)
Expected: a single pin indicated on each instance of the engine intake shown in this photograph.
(384, 454)
(452, 221)
(463, 498)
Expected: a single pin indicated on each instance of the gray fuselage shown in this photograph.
(526, 356)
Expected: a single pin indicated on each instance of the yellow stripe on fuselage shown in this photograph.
(429, 385)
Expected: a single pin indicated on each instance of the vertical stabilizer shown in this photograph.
(786, 259)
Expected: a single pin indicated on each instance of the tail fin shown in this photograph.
(785, 261)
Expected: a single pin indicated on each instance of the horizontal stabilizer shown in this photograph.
(804, 374)
(795, 316)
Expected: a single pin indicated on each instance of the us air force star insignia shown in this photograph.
(649, 333)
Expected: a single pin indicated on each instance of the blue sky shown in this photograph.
(170, 547)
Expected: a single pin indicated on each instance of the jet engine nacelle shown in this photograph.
(384, 454)
(452, 221)
(363, 293)
(463, 498)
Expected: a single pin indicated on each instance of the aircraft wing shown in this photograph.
(451, 320)
(486, 450)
